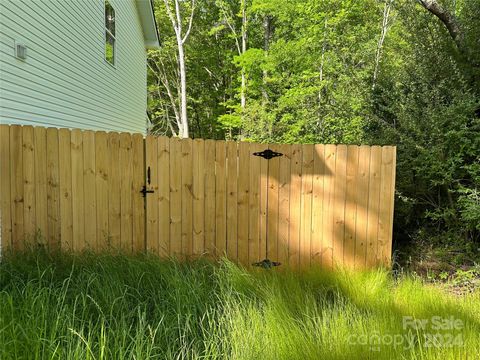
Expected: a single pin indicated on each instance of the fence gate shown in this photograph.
(297, 204)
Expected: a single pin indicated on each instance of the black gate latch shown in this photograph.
(268, 154)
(144, 191)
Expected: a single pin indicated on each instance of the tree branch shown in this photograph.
(170, 15)
(227, 16)
(189, 23)
(448, 19)
(164, 81)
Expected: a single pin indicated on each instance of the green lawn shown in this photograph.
(118, 307)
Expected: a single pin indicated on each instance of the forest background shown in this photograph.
(403, 72)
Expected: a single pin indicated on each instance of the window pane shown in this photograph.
(109, 48)
(109, 18)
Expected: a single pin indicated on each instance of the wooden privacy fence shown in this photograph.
(75, 188)
(312, 204)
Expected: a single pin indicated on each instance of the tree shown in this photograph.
(386, 24)
(469, 51)
(181, 37)
(229, 16)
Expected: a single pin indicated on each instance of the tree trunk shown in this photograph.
(320, 74)
(267, 27)
(381, 40)
(183, 90)
(243, 100)
(176, 20)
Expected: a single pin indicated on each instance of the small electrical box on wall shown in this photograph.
(20, 51)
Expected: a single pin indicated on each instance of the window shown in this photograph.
(109, 33)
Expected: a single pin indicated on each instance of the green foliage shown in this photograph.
(466, 277)
(310, 79)
(429, 111)
(469, 204)
(117, 307)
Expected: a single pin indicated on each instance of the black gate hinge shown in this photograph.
(266, 264)
(267, 154)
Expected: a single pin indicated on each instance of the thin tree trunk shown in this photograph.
(240, 38)
(162, 78)
(183, 90)
(243, 100)
(181, 38)
(322, 58)
(322, 62)
(266, 46)
(381, 40)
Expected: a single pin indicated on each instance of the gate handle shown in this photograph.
(144, 191)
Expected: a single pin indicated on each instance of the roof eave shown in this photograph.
(149, 25)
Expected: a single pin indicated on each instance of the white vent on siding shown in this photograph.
(20, 51)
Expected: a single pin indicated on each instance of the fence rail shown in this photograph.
(315, 204)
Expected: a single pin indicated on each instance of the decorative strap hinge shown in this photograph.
(266, 264)
(267, 154)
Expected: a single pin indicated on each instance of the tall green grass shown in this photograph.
(121, 307)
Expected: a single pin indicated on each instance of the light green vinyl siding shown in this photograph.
(65, 80)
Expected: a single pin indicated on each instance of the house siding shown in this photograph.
(65, 80)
